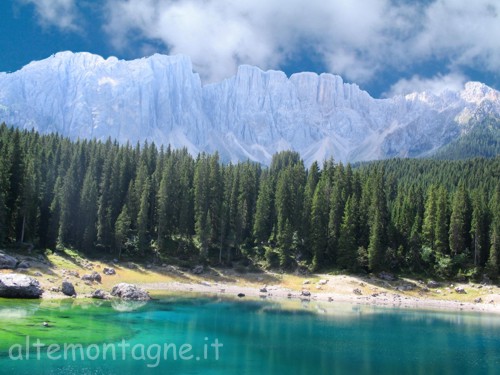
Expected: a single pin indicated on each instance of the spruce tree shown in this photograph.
(347, 252)
(460, 221)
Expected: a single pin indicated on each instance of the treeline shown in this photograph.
(424, 216)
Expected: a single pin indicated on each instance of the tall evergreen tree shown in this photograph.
(460, 221)
(493, 263)
(348, 247)
(429, 224)
(479, 228)
(378, 224)
(442, 219)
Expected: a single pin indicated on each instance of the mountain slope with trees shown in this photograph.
(105, 199)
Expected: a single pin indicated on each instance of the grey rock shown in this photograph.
(406, 287)
(37, 274)
(68, 288)
(129, 292)
(263, 290)
(322, 282)
(7, 261)
(386, 276)
(357, 292)
(460, 290)
(93, 277)
(478, 300)
(71, 273)
(198, 270)
(24, 265)
(19, 286)
(241, 295)
(100, 294)
(433, 284)
(305, 293)
(109, 271)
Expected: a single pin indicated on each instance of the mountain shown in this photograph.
(248, 116)
(481, 140)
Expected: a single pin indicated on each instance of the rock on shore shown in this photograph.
(19, 286)
(7, 261)
(130, 292)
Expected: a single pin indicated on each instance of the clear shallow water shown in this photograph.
(257, 338)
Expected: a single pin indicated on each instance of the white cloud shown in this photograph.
(435, 85)
(62, 14)
(357, 40)
(220, 34)
(466, 32)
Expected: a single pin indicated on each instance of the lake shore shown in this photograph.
(372, 290)
(331, 294)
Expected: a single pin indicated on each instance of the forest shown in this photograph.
(103, 199)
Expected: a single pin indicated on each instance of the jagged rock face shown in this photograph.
(19, 286)
(249, 116)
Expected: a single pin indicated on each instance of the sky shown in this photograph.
(387, 47)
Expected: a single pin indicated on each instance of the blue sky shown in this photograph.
(387, 47)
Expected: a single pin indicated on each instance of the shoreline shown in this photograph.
(384, 290)
(281, 295)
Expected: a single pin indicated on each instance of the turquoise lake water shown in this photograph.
(252, 337)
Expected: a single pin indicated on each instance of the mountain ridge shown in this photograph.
(250, 115)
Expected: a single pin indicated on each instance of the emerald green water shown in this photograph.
(257, 338)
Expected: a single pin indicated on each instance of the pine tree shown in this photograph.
(347, 242)
(460, 221)
(479, 228)
(493, 263)
(442, 219)
(429, 224)
(202, 203)
(378, 224)
(88, 210)
(143, 220)
(312, 180)
(319, 222)
(122, 228)
(263, 216)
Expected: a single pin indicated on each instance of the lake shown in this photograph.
(203, 335)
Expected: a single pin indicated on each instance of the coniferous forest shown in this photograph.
(422, 216)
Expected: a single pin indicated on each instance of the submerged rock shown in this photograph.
(7, 261)
(68, 289)
(127, 306)
(130, 292)
(19, 286)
